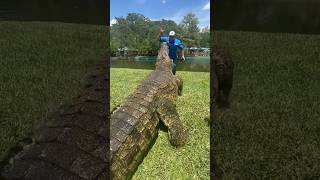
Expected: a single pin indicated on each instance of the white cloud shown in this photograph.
(164, 1)
(204, 19)
(203, 15)
(113, 21)
(206, 7)
(152, 19)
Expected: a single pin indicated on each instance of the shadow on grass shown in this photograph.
(162, 127)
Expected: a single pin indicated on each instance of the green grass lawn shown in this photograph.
(163, 160)
(272, 130)
(41, 67)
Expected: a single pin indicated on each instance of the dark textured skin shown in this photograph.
(223, 70)
(73, 144)
(135, 124)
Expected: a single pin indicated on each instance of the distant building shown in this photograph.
(194, 51)
(126, 52)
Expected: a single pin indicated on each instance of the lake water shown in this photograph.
(148, 62)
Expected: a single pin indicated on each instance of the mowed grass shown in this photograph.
(42, 65)
(163, 160)
(272, 130)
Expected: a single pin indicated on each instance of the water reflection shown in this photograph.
(148, 62)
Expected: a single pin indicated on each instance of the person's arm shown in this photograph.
(161, 36)
(162, 31)
(181, 47)
(182, 54)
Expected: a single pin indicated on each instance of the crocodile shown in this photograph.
(134, 125)
(73, 143)
(223, 69)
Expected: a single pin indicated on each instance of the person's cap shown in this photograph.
(172, 33)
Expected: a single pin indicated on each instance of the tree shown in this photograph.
(138, 24)
(205, 37)
(122, 32)
(190, 29)
(138, 32)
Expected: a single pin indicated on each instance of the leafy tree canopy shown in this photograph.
(140, 33)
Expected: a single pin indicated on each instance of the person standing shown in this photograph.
(173, 45)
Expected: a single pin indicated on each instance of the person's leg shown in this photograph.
(174, 66)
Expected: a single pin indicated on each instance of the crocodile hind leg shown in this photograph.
(168, 114)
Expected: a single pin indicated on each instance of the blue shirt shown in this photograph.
(173, 46)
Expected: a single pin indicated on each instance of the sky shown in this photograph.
(162, 9)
